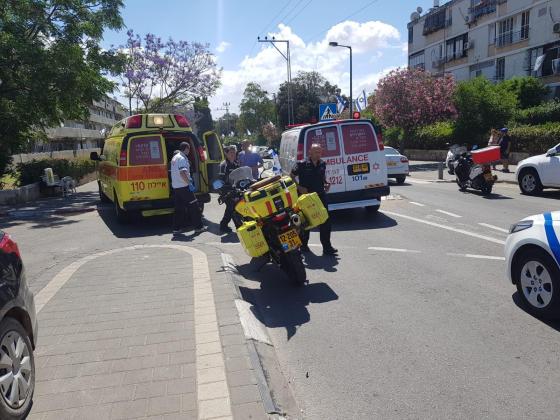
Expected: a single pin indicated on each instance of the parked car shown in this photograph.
(532, 252)
(397, 165)
(18, 334)
(538, 172)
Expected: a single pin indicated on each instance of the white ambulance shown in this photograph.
(356, 166)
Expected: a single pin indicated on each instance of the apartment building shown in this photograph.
(497, 39)
(90, 133)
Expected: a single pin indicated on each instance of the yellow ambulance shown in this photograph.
(134, 164)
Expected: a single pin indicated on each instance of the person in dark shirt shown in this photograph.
(311, 177)
(505, 146)
(228, 165)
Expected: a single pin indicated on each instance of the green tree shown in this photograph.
(529, 91)
(51, 64)
(256, 109)
(309, 90)
(203, 114)
(481, 106)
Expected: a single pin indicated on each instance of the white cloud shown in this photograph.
(268, 67)
(222, 46)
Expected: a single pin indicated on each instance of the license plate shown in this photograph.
(391, 163)
(358, 168)
(290, 240)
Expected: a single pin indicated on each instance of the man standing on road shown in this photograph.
(250, 159)
(311, 175)
(183, 197)
(505, 146)
(228, 165)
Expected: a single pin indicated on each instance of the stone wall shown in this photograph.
(20, 195)
(440, 155)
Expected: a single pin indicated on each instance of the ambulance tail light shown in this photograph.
(299, 151)
(182, 121)
(202, 153)
(134, 122)
(123, 158)
(380, 141)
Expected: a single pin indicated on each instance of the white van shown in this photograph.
(356, 166)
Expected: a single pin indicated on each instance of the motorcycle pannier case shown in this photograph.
(313, 210)
(252, 239)
(272, 198)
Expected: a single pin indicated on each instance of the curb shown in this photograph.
(266, 395)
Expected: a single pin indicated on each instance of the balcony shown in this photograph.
(484, 7)
(436, 21)
(509, 38)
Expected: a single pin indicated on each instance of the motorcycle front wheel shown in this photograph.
(292, 264)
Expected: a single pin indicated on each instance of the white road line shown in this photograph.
(499, 229)
(448, 213)
(417, 204)
(417, 181)
(480, 257)
(450, 228)
(380, 248)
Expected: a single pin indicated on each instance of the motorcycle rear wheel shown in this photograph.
(292, 264)
(462, 187)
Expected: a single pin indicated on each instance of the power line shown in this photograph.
(269, 23)
(300, 10)
(289, 13)
(346, 18)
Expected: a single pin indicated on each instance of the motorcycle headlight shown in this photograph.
(519, 226)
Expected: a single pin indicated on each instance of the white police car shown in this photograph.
(533, 262)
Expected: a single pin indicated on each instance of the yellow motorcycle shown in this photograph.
(270, 217)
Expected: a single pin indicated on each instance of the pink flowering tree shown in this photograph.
(411, 98)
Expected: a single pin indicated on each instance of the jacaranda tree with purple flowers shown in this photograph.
(411, 98)
(161, 74)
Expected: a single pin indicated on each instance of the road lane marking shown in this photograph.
(205, 320)
(417, 181)
(417, 204)
(450, 228)
(499, 229)
(380, 248)
(479, 257)
(448, 213)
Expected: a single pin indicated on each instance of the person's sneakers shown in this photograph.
(330, 251)
(200, 229)
(304, 248)
(225, 229)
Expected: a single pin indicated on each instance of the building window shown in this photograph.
(500, 68)
(410, 35)
(525, 25)
(436, 21)
(417, 60)
(505, 32)
(456, 47)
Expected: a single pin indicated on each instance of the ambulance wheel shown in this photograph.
(122, 215)
(401, 179)
(102, 197)
(537, 278)
(292, 264)
(372, 209)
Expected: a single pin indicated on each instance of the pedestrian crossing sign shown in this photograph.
(327, 112)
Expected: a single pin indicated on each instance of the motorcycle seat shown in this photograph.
(265, 182)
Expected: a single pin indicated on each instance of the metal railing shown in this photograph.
(511, 37)
(485, 7)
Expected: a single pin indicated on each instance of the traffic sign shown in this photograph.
(327, 112)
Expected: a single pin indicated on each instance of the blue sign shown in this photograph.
(327, 112)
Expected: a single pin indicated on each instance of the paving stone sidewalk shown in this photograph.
(132, 334)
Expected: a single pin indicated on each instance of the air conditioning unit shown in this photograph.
(556, 66)
(556, 28)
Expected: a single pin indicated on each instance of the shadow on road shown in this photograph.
(50, 212)
(280, 304)
(137, 227)
(360, 219)
(554, 324)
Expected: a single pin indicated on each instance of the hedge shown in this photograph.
(547, 112)
(533, 139)
(30, 172)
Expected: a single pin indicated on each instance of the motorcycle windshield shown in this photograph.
(457, 149)
(240, 174)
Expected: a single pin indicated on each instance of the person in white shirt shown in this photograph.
(183, 197)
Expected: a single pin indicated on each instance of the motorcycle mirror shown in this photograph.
(217, 184)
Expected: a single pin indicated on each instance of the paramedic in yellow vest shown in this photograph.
(311, 177)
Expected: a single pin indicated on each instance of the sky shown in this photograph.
(376, 30)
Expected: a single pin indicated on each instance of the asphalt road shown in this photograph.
(414, 319)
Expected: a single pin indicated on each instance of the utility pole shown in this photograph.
(226, 106)
(286, 57)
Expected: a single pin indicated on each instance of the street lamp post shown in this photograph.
(336, 44)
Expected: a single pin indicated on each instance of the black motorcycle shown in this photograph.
(471, 175)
